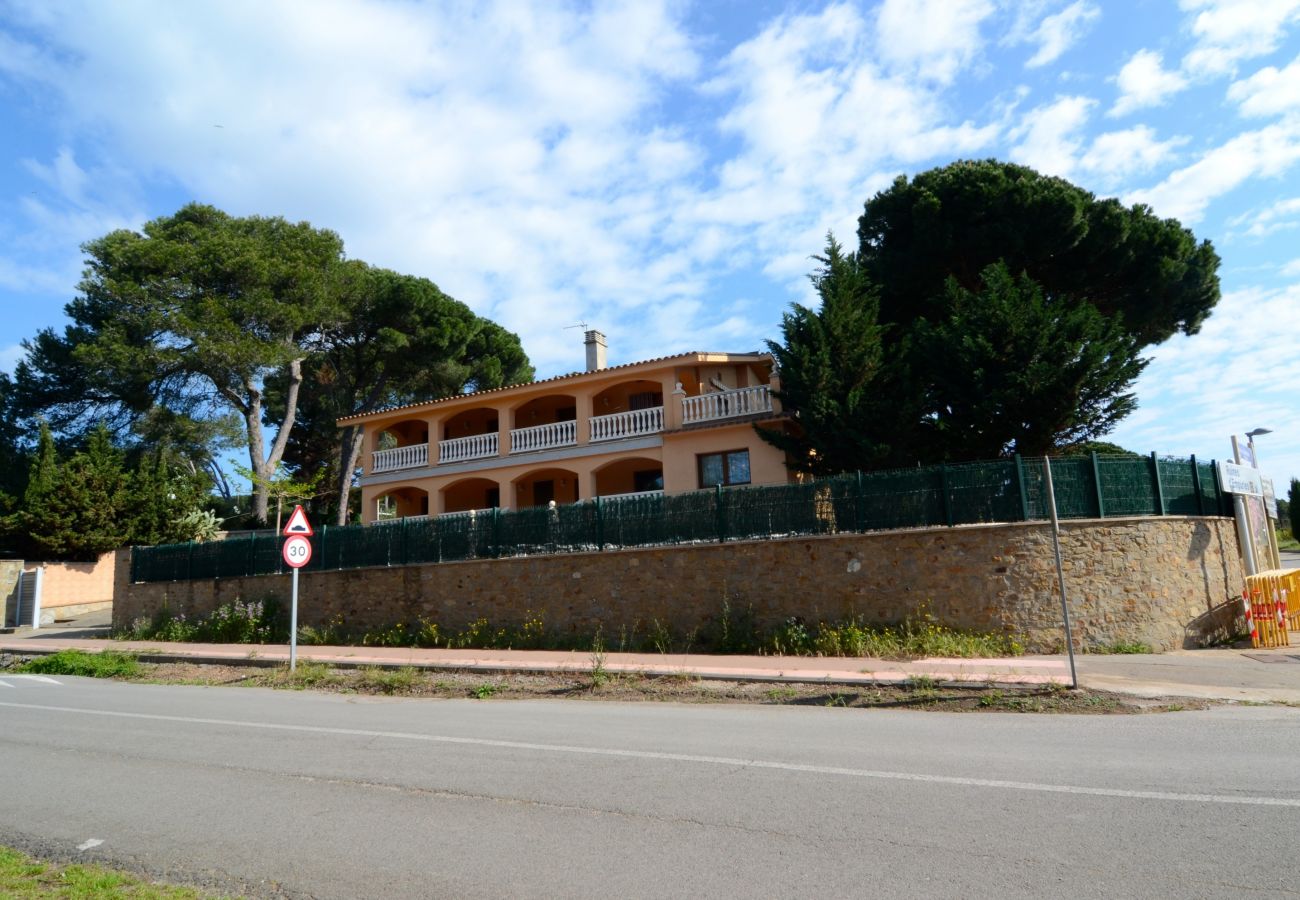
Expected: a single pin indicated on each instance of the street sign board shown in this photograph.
(1236, 479)
(1270, 498)
(298, 523)
(296, 551)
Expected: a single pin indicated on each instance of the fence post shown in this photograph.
(189, 563)
(943, 486)
(1020, 483)
(720, 513)
(1196, 486)
(600, 524)
(323, 529)
(1096, 481)
(252, 554)
(405, 556)
(1160, 488)
(1218, 488)
(495, 548)
(860, 516)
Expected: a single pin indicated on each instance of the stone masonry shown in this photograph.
(1167, 582)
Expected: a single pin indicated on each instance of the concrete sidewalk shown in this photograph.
(1238, 674)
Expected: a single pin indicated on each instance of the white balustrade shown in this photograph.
(543, 437)
(409, 457)
(726, 404)
(627, 424)
(476, 446)
(634, 495)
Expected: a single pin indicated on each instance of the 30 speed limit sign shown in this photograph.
(297, 551)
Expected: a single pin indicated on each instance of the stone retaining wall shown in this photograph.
(1167, 582)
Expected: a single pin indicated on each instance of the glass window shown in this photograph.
(386, 507)
(729, 467)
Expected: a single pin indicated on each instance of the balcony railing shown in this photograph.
(543, 437)
(726, 404)
(476, 446)
(409, 457)
(627, 424)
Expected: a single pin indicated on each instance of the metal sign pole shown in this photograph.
(1060, 570)
(1243, 521)
(293, 624)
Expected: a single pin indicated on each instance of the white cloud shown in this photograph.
(10, 357)
(1282, 214)
(1057, 33)
(1268, 92)
(1050, 138)
(1229, 31)
(1291, 269)
(931, 39)
(1116, 155)
(1143, 82)
(1187, 192)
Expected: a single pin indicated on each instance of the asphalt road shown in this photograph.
(334, 796)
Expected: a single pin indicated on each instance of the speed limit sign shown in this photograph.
(297, 551)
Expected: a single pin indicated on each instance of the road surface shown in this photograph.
(334, 796)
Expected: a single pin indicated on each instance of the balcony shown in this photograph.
(627, 424)
(476, 446)
(543, 437)
(412, 456)
(731, 404)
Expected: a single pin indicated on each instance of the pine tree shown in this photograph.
(162, 499)
(75, 510)
(828, 363)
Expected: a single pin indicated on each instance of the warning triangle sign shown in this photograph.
(298, 523)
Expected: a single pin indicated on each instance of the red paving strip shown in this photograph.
(838, 670)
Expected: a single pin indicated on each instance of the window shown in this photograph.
(646, 400)
(648, 480)
(386, 508)
(729, 467)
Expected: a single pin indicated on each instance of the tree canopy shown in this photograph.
(204, 326)
(1008, 311)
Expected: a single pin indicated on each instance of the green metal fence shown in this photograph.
(1011, 490)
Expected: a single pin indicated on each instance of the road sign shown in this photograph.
(1270, 498)
(296, 551)
(298, 523)
(1237, 479)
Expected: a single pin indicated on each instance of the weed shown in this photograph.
(780, 695)
(661, 637)
(483, 691)
(310, 674)
(1119, 647)
(992, 697)
(388, 681)
(109, 664)
(599, 674)
(837, 700)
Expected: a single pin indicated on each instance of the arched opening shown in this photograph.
(630, 476)
(540, 487)
(471, 434)
(546, 410)
(401, 445)
(544, 423)
(471, 493)
(628, 409)
(401, 503)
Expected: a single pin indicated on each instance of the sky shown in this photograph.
(664, 171)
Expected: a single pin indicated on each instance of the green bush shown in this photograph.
(109, 664)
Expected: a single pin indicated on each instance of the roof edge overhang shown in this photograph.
(694, 357)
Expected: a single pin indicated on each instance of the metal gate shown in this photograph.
(29, 597)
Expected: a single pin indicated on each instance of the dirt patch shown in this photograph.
(919, 694)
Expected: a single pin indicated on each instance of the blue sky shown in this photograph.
(662, 170)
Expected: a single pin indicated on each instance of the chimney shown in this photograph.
(595, 350)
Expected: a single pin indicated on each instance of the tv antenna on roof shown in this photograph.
(582, 325)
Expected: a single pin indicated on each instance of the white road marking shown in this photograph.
(732, 762)
(86, 845)
(5, 684)
(41, 678)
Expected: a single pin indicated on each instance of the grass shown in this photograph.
(24, 878)
(1287, 541)
(109, 664)
(388, 681)
(1121, 648)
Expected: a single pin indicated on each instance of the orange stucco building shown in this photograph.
(674, 424)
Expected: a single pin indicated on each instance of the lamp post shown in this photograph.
(1275, 557)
